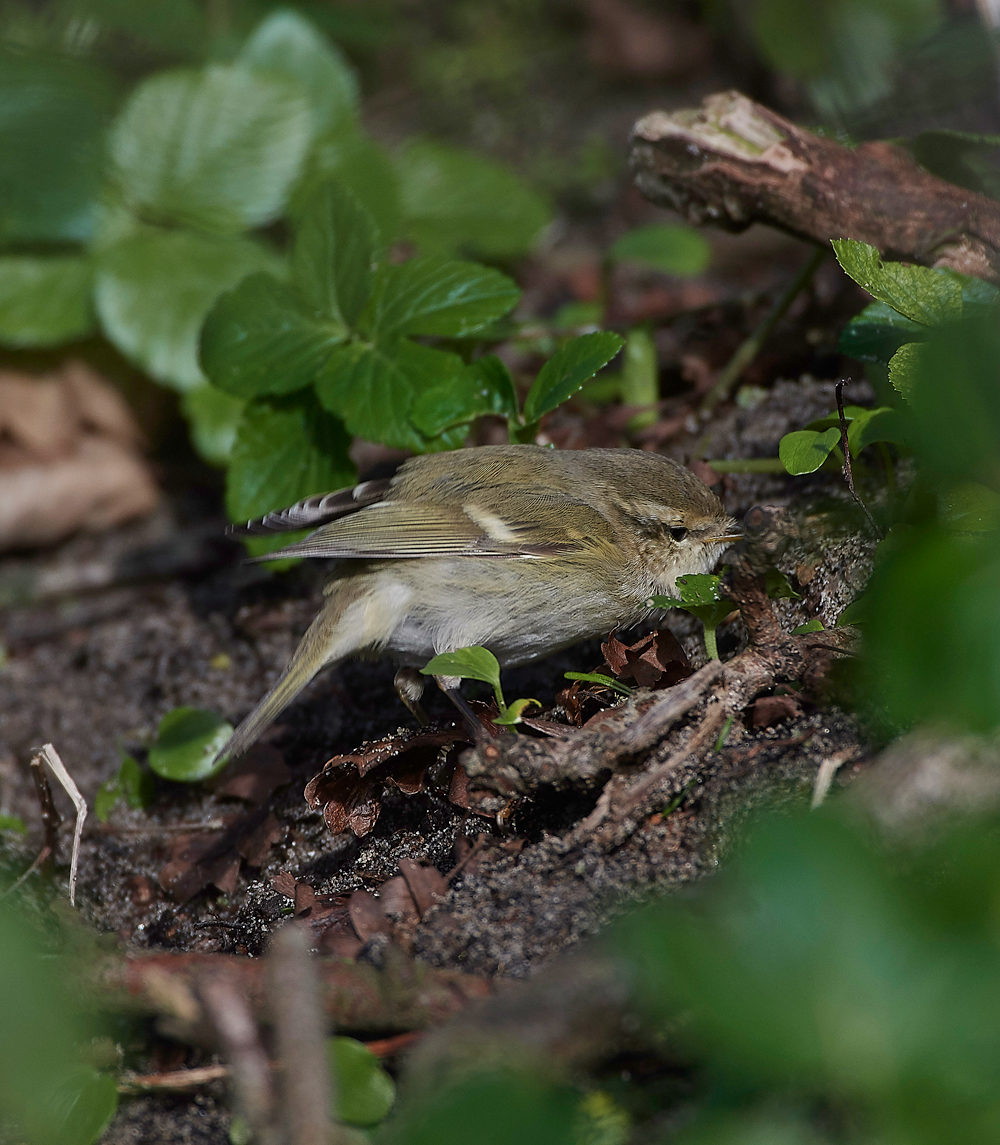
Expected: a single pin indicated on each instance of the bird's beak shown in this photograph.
(727, 538)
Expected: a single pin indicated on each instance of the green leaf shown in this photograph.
(472, 663)
(53, 115)
(970, 507)
(286, 449)
(213, 417)
(85, 1101)
(260, 339)
(566, 371)
(335, 247)
(216, 149)
(373, 388)
(44, 301)
(877, 333)
(882, 424)
(359, 165)
(288, 45)
(805, 450)
(904, 367)
(511, 715)
(365, 1092)
(438, 297)
(814, 625)
(672, 249)
(154, 289)
(132, 784)
(484, 387)
(456, 202)
(601, 679)
(187, 742)
(930, 297)
(779, 587)
(700, 589)
(13, 823)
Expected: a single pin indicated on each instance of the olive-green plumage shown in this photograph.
(522, 549)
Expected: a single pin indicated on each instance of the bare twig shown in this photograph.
(229, 1010)
(751, 347)
(304, 1078)
(49, 755)
(845, 445)
(51, 819)
(173, 1081)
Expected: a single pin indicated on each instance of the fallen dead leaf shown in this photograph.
(769, 710)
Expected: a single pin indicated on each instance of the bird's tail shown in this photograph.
(342, 628)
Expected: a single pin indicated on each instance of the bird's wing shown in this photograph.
(401, 530)
(315, 511)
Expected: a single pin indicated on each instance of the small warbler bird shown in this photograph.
(518, 548)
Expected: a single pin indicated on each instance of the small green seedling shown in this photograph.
(187, 742)
(601, 679)
(814, 625)
(477, 663)
(365, 1092)
(132, 784)
(700, 595)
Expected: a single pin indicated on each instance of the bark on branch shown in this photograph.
(733, 162)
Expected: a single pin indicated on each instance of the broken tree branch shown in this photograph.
(733, 162)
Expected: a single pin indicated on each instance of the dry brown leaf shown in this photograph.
(769, 710)
(201, 858)
(426, 883)
(367, 916)
(255, 777)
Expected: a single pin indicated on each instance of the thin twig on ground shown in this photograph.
(50, 816)
(845, 445)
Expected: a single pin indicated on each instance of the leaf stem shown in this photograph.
(711, 647)
(749, 350)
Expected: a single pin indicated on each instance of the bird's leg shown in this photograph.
(450, 686)
(409, 685)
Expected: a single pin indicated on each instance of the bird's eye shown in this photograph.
(678, 532)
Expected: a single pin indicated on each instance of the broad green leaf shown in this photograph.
(934, 629)
(970, 507)
(472, 663)
(455, 202)
(187, 742)
(217, 149)
(86, 1101)
(435, 296)
(335, 247)
(53, 115)
(358, 164)
(904, 366)
(288, 45)
(13, 823)
(365, 1092)
(814, 625)
(373, 388)
(699, 589)
(882, 424)
(877, 333)
(44, 301)
(927, 296)
(566, 371)
(154, 290)
(805, 450)
(672, 249)
(286, 449)
(261, 339)
(484, 387)
(213, 417)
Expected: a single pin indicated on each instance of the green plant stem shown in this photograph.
(711, 647)
(723, 734)
(746, 353)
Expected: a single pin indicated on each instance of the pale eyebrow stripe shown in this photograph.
(490, 523)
